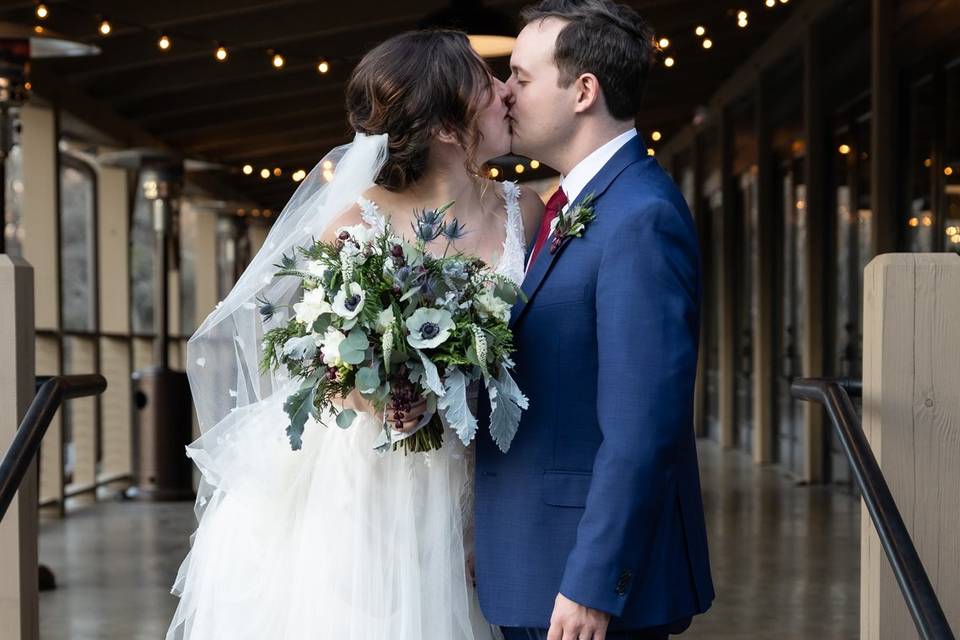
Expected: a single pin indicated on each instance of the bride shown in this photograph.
(336, 540)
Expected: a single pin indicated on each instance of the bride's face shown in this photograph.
(493, 122)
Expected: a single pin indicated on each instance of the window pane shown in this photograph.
(951, 169)
(76, 245)
(141, 265)
(13, 219)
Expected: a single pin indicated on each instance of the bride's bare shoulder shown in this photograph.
(349, 217)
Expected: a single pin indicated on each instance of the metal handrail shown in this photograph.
(912, 578)
(51, 393)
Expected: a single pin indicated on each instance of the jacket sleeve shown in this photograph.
(647, 303)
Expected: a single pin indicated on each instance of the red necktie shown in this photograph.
(554, 205)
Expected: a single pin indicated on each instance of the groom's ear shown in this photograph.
(588, 92)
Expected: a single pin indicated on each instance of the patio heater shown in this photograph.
(19, 44)
(163, 423)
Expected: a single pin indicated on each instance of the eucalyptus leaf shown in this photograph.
(368, 379)
(506, 405)
(345, 418)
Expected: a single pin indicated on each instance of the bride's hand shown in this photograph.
(405, 421)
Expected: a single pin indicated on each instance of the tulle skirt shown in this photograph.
(332, 541)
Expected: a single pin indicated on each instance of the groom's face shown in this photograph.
(541, 112)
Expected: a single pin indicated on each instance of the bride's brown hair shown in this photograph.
(413, 85)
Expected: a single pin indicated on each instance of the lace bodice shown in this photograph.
(510, 263)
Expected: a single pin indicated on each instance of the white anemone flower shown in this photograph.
(429, 328)
(314, 304)
(348, 303)
(316, 269)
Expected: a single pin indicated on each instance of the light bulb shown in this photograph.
(221, 53)
(247, 169)
(105, 27)
(655, 136)
(519, 168)
(664, 43)
(323, 66)
(707, 43)
(42, 11)
(534, 164)
(278, 60)
(163, 42)
(264, 173)
(494, 172)
(700, 30)
(669, 61)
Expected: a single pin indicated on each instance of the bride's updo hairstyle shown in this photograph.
(410, 87)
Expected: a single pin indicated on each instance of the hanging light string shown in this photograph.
(277, 57)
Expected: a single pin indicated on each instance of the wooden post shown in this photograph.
(911, 416)
(882, 127)
(726, 294)
(815, 248)
(764, 288)
(19, 593)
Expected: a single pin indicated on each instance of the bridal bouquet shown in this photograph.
(381, 316)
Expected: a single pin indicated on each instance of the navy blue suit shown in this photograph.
(599, 496)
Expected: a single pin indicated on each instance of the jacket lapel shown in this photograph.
(631, 152)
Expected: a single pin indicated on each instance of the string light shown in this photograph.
(519, 168)
(278, 61)
(105, 27)
(299, 175)
(771, 3)
(742, 19)
(494, 172)
(327, 175)
(221, 53)
(928, 163)
(164, 42)
(913, 222)
(655, 136)
(247, 169)
(707, 43)
(651, 152)
(701, 30)
(277, 171)
(323, 66)
(948, 171)
(534, 164)
(264, 173)
(669, 61)
(952, 231)
(844, 149)
(927, 221)
(664, 43)
(42, 11)
(328, 164)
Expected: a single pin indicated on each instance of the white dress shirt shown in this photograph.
(581, 175)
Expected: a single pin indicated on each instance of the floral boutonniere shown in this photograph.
(572, 223)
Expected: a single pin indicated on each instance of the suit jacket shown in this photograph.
(599, 496)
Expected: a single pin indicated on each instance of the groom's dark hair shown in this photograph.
(605, 38)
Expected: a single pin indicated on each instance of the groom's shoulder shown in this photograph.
(645, 194)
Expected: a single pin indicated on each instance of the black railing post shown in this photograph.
(26, 442)
(912, 578)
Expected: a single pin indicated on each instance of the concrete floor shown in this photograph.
(785, 561)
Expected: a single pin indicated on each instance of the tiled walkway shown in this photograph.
(785, 561)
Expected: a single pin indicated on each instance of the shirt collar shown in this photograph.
(578, 178)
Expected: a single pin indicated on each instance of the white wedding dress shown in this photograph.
(334, 541)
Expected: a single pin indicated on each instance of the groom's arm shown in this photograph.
(647, 308)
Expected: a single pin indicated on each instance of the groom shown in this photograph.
(592, 526)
